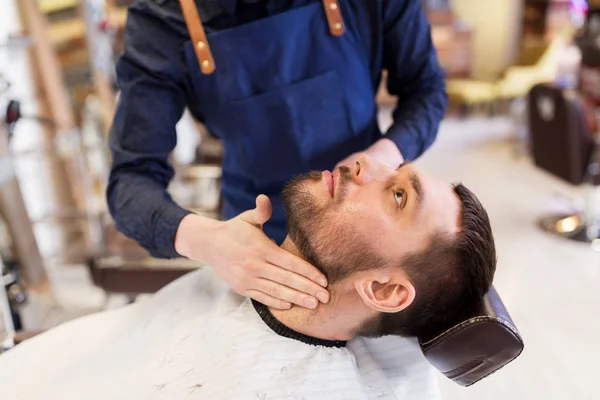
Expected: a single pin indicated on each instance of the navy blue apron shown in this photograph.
(304, 104)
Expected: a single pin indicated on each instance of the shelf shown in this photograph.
(62, 33)
(51, 6)
(549, 2)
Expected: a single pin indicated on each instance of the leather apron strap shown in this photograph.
(202, 48)
(334, 17)
(196, 30)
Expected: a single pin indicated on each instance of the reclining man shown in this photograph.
(405, 254)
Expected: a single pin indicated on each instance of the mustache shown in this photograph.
(292, 188)
(314, 176)
(342, 184)
(345, 174)
(344, 180)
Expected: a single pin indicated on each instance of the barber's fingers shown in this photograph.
(284, 293)
(298, 283)
(290, 262)
(267, 300)
(264, 209)
(260, 214)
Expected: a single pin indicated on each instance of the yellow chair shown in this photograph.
(471, 92)
(516, 82)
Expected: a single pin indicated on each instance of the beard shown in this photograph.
(319, 232)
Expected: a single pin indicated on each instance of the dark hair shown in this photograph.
(450, 277)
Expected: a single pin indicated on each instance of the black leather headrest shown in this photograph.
(477, 347)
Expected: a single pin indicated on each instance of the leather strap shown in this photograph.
(196, 30)
(202, 48)
(334, 17)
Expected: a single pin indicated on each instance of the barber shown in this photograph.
(288, 86)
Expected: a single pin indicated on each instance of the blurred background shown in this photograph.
(523, 78)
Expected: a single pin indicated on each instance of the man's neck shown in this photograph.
(322, 323)
(337, 320)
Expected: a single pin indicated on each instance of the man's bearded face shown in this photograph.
(321, 231)
(367, 217)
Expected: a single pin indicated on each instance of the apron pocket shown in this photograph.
(273, 136)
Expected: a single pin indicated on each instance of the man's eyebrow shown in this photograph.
(415, 182)
(404, 164)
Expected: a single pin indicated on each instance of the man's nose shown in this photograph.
(366, 169)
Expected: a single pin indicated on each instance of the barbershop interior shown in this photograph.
(89, 225)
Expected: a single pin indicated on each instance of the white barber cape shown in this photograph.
(197, 339)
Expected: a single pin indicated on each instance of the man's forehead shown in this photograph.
(445, 206)
(437, 198)
(409, 167)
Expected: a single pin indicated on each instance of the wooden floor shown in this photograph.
(550, 286)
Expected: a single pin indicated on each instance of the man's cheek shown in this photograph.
(375, 229)
(359, 216)
(329, 236)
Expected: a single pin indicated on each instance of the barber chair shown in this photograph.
(469, 351)
(466, 353)
(563, 144)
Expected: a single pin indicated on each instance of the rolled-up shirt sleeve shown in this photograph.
(152, 99)
(414, 75)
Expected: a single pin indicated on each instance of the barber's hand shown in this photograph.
(384, 150)
(253, 265)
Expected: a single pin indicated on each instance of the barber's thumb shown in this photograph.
(261, 214)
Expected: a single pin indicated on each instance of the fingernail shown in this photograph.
(322, 281)
(322, 297)
(287, 306)
(310, 302)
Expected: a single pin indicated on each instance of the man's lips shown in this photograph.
(336, 178)
(328, 177)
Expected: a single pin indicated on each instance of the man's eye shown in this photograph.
(399, 196)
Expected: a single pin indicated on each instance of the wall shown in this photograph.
(496, 28)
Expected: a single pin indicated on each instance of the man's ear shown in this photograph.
(386, 294)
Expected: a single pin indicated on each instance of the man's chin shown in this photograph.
(303, 211)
